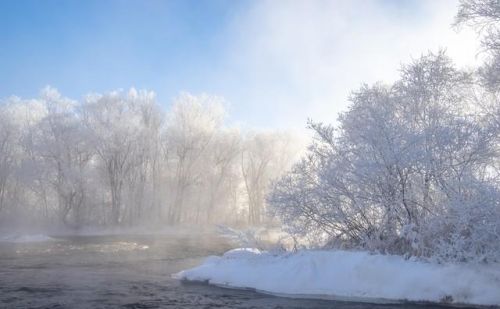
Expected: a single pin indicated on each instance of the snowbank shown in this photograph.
(350, 276)
(25, 238)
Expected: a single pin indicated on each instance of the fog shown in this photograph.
(125, 198)
(119, 159)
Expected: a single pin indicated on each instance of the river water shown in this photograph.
(126, 272)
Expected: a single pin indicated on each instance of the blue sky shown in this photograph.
(82, 46)
(275, 62)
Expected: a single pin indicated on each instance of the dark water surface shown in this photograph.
(126, 272)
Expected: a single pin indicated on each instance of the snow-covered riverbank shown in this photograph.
(350, 275)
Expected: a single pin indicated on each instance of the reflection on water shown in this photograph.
(126, 272)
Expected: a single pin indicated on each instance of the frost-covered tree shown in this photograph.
(264, 156)
(191, 128)
(221, 177)
(60, 144)
(119, 158)
(404, 159)
(8, 136)
(484, 16)
(143, 181)
(114, 123)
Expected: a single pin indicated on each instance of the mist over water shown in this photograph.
(127, 271)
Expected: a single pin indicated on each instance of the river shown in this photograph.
(126, 271)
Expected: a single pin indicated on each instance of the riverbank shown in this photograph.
(345, 275)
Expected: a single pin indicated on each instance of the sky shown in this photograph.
(276, 63)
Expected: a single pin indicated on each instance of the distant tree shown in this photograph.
(61, 145)
(119, 159)
(8, 136)
(221, 172)
(264, 156)
(115, 126)
(191, 128)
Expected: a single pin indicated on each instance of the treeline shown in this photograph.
(119, 159)
(412, 168)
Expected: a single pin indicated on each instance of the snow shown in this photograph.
(25, 238)
(347, 275)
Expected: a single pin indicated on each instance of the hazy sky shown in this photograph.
(275, 62)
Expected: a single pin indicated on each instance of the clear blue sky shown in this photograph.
(96, 45)
(276, 62)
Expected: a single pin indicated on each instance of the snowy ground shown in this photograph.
(348, 275)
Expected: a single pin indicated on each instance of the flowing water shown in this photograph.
(125, 272)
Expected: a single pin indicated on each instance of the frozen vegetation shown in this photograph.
(412, 168)
(119, 160)
(402, 195)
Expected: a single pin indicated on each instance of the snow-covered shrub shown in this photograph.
(469, 230)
